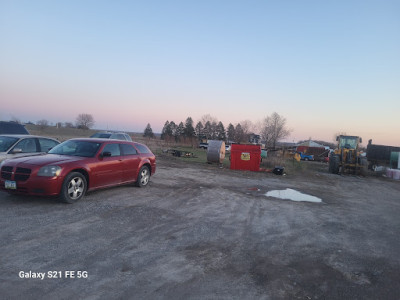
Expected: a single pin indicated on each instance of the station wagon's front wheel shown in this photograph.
(143, 177)
(73, 188)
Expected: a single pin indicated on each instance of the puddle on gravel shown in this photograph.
(290, 194)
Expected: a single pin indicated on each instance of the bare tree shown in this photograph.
(274, 129)
(208, 118)
(15, 120)
(84, 121)
(43, 123)
(248, 128)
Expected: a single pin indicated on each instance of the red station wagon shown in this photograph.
(75, 166)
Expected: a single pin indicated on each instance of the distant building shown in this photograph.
(311, 143)
(254, 138)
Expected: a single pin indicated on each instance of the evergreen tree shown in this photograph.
(220, 132)
(173, 127)
(214, 134)
(148, 132)
(165, 130)
(189, 129)
(199, 130)
(239, 134)
(207, 131)
(179, 132)
(231, 132)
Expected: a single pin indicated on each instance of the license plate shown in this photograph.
(12, 185)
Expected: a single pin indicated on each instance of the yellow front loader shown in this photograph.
(346, 158)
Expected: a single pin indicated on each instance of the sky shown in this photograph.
(328, 67)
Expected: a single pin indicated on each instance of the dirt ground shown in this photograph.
(201, 232)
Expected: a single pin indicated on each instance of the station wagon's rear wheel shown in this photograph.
(73, 188)
(143, 177)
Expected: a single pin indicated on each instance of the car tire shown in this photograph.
(143, 177)
(306, 159)
(74, 187)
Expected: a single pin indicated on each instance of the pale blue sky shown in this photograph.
(327, 66)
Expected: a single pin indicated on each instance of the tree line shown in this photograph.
(272, 129)
(82, 121)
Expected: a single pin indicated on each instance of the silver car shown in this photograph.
(17, 145)
(112, 135)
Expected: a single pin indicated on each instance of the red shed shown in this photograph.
(245, 157)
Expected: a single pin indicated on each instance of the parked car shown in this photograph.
(24, 145)
(304, 156)
(78, 165)
(12, 128)
(203, 145)
(112, 135)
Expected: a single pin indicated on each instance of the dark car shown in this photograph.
(78, 165)
(203, 145)
(17, 145)
(12, 128)
(112, 135)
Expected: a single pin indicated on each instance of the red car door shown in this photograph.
(108, 170)
(130, 161)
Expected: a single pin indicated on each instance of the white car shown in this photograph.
(17, 145)
(112, 135)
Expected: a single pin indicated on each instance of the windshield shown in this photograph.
(101, 135)
(76, 148)
(6, 142)
(348, 142)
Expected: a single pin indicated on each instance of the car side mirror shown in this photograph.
(106, 154)
(16, 150)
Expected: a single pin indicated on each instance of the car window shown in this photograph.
(101, 135)
(127, 137)
(76, 148)
(120, 136)
(27, 145)
(128, 149)
(46, 144)
(142, 148)
(6, 142)
(113, 149)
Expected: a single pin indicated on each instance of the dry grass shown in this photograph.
(61, 134)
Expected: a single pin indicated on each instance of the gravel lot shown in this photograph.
(200, 232)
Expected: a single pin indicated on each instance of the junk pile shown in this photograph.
(179, 153)
(393, 173)
(382, 155)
